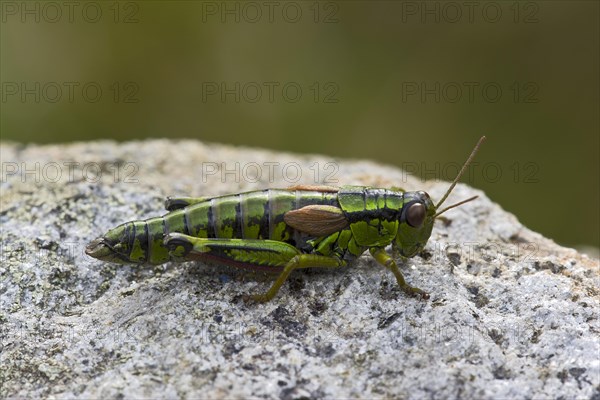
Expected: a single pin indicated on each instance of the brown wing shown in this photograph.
(317, 188)
(316, 220)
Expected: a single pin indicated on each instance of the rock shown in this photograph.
(511, 314)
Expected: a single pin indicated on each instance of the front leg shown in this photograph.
(387, 261)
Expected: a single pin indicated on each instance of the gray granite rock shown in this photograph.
(511, 314)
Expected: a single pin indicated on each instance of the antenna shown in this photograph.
(460, 203)
(460, 173)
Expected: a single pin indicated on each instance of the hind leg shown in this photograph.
(279, 256)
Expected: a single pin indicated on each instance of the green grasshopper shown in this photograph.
(280, 230)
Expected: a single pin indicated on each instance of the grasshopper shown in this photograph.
(281, 230)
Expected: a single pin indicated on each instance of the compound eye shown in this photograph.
(415, 215)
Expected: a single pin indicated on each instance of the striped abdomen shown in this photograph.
(250, 215)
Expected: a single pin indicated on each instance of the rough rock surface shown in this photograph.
(511, 315)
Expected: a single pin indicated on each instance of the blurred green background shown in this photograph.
(412, 84)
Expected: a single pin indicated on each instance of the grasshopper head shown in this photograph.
(415, 223)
